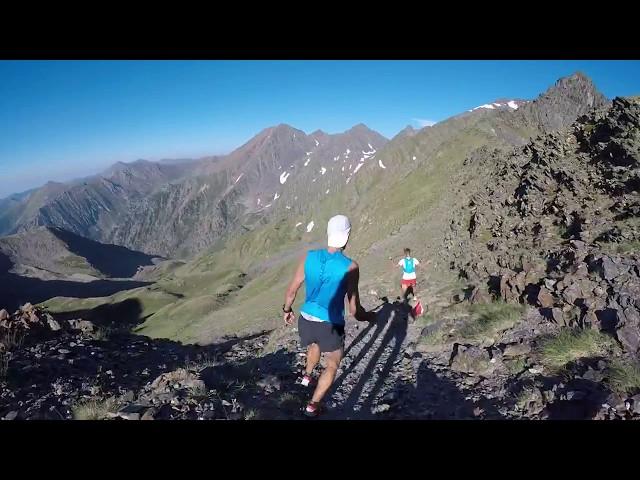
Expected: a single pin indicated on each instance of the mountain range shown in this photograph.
(526, 209)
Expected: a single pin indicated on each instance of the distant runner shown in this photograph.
(408, 283)
(329, 277)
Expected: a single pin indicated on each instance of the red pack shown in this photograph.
(418, 309)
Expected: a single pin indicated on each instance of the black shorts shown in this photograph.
(328, 336)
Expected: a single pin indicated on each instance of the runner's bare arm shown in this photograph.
(353, 296)
(292, 289)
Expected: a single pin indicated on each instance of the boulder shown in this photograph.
(572, 293)
(516, 350)
(472, 360)
(512, 286)
(607, 267)
(544, 298)
(53, 325)
(557, 316)
(629, 336)
(26, 308)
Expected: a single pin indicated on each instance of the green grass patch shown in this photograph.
(570, 345)
(95, 409)
(489, 319)
(628, 247)
(436, 337)
(624, 377)
(427, 319)
(77, 265)
(9, 340)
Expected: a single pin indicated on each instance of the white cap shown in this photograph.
(338, 230)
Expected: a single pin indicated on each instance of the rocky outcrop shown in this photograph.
(559, 106)
(556, 226)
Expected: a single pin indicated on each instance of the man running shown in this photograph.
(329, 277)
(408, 283)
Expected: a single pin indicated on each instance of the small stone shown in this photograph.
(11, 415)
(63, 351)
(381, 408)
(149, 414)
(578, 244)
(4, 315)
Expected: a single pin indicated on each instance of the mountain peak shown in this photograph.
(576, 81)
(575, 85)
(407, 131)
(284, 128)
(359, 127)
(570, 98)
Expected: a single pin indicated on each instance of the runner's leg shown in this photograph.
(313, 357)
(332, 361)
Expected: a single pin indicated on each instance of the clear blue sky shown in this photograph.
(65, 119)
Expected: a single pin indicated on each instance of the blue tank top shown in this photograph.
(325, 275)
(409, 267)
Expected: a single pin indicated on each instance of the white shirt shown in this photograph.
(405, 275)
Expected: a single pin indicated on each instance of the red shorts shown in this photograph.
(408, 283)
